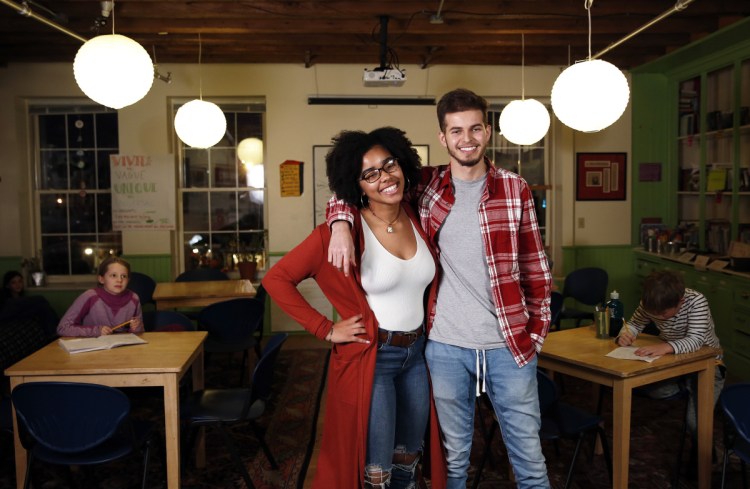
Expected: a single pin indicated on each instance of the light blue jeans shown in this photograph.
(399, 410)
(455, 372)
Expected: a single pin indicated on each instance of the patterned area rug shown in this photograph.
(289, 424)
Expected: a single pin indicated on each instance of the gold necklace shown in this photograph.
(389, 225)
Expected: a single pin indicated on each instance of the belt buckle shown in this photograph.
(412, 336)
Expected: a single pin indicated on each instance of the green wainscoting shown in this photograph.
(10, 263)
(617, 260)
(158, 267)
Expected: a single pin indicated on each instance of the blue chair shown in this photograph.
(587, 286)
(231, 327)
(555, 307)
(559, 420)
(221, 408)
(66, 423)
(144, 286)
(167, 321)
(735, 404)
(201, 275)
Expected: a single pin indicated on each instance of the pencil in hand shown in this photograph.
(121, 325)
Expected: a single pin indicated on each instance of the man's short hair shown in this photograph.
(460, 100)
(662, 290)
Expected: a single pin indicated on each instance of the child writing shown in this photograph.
(685, 325)
(100, 310)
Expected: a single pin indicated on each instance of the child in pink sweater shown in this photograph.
(99, 310)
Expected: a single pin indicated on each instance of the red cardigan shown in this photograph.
(350, 374)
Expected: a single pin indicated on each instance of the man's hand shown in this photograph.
(654, 350)
(348, 331)
(341, 248)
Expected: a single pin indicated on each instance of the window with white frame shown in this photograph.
(222, 193)
(531, 162)
(73, 204)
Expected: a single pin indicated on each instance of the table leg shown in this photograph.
(198, 384)
(705, 423)
(172, 430)
(621, 404)
(20, 452)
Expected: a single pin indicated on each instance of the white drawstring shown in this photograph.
(483, 373)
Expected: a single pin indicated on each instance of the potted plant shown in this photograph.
(251, 256)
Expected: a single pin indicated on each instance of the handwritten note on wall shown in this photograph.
(291, 178)
(143, 192)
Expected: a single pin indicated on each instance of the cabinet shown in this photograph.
(691, 115)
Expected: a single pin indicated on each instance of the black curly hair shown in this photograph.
(344, 160)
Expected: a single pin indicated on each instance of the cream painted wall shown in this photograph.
(292, 128)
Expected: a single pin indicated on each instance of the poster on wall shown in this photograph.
(143, 192)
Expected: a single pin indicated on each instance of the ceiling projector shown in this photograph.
(384, 77)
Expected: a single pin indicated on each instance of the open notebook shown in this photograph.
(106, 342)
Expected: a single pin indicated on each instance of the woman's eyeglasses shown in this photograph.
(372, 175)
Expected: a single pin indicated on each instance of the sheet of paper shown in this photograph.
(628, 353)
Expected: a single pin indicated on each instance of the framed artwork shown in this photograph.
(600, 176)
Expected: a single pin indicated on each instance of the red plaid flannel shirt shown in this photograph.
(519, 273)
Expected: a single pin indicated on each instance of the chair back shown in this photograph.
(587, 285)
(167, 321)
(735, 403)
(263, 373)
(201, 275)
(144, 286)
(555, 307)
(547, 391)
(232, 320)
(69, 417)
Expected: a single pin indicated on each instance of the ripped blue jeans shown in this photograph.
(398, 415)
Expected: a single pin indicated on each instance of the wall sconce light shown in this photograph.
(524, 121)
(590, 95)
(113, 70)
(198, 123)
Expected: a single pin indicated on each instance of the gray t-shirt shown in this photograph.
(465, 312)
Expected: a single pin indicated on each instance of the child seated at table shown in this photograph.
(684, 322)
(110, 307)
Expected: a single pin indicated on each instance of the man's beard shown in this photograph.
(465, 163)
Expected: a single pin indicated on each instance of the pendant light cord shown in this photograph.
(112, 12)
(587, 4)
(200, 70)
(523, 66)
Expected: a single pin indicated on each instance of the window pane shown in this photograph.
(55, 255)
(82, 249)
(104, 213)
(249, 125)
(82, 169)
(109, 244)
(103, 169)
(223, 211)
(53, 170)
(82, 213)
(195, 211)
(224, 163)
(54, 213)
(195, 247)
(52, 131)
(81, 130)
(251, 210)
(106, 131)
(195, 168)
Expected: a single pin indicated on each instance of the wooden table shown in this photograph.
(579, 353)
(162, 362)
(173, 295)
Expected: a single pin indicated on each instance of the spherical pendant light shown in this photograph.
(590, 95)
(113, 70)
(200, 124)
(524, 121)
(250, 151)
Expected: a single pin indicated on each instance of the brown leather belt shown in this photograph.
(401, 339)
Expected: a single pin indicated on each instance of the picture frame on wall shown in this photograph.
(601, 176)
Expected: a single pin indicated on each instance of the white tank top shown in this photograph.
(395, 287)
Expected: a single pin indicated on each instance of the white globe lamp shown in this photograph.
(524, 121)
(250, 151)
(590, 96)
(200, 124)
(113, 70)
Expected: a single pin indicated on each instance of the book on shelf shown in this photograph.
(105, 342)
(717, 180)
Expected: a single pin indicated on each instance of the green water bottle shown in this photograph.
(615, 313)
